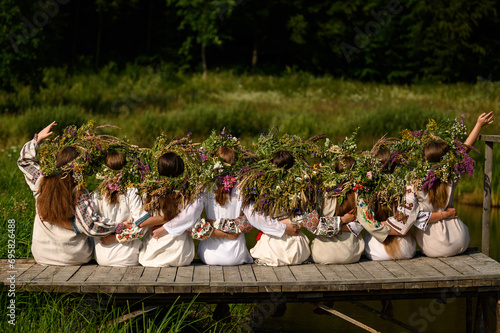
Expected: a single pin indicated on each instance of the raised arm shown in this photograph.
(483, 120)
(186, 219)
(28, 161)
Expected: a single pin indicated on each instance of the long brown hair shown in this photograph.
(438, 193)
(169, 165)
(57, 195)
(391, 243)
(348, 204)
(227, 155)
(115, 160)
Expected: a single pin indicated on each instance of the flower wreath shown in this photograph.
(89, 144)
(362, 177)
(132, 174)
(213, 169)
(452, 165)
(274, 190)
(186, 184)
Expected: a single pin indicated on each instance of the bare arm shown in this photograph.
(483, 120)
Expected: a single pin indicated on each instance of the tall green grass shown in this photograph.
(53, 312)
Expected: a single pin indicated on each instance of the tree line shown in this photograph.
(395, 41)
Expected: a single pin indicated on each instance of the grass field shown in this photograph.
(143, 102)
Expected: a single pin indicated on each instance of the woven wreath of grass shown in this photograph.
(90, 144)
(275, 191)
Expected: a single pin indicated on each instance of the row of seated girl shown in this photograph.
(67, 219)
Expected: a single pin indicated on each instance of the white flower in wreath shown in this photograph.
(218, 165)
(99, 176)
(298, 179)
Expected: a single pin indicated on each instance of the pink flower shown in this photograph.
(369, 175)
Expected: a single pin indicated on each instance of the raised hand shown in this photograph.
(485, 119)
(46, 132)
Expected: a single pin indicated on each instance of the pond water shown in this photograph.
(426, 315)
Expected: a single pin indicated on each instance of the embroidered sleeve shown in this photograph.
(28, 163)
(406, 214)
(329, 226)
(264, 223)
(423, 220)
(131, 234)
(233, 226)
(369, 223)
(186, 219)
(201, 230)
(355, 228)
(87, 221)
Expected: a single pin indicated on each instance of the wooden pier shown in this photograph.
(470, 275)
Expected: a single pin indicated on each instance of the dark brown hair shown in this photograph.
(57, 195)
(438, 193)
(228, 155)
(169, 165)
(344, 163)
(115, 160)
(283, 158)
(348, 204)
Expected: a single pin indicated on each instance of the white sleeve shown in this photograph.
(28, 163)
(355, 228)
(406, 214)
(135, 205)
(423, 220)
(264, 223)
(186, 219)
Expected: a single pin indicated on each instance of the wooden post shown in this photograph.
(468, 315)
(488, 165)
(498, 312)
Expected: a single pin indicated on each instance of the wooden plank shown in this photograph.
(184, 279)
(64, 274)
(359, 272)
(486, 216)
(395, 269)
(248, 276)
(92, 285)
(201, 277)
(132, 274)
(442, 267)
(30, 274)
(342, 272)
(420, 268)
(16, 271)
(82, 274)
(327, 272)
(458, 263)
(482, 263)
(47, 275)
(266, 278)
(111, 283)
(307, 273)
(232, 279)
(216, 276)
(489, 137)
(288, 281)
(167, 275)
(377, 270)
(147, 281)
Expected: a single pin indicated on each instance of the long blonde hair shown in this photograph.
(391, 243)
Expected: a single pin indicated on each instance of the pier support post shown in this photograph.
(488, 167)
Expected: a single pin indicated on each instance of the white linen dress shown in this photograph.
(52, 244)
(176, 248)
(444, 238)
(343, 248)
(275, 248)
(128, 208)
(220, 251)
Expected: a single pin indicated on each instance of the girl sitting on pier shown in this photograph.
(175, 199)
(65, 216)
(446, 159)
(222, 202)
(118, 201)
